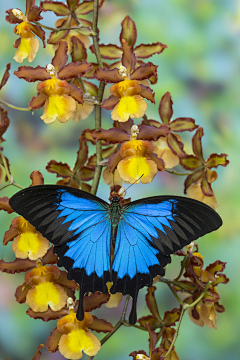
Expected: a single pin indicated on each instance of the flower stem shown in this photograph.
(184, 174)
(63, 28)
(14, 107)
(182, 268)
(184, 308)
(98, 168)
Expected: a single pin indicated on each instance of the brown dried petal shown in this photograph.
(53, 340)
(17, 266)
(170, 317)
(154, 322)
(60, 59)
(82, 154)
(101, 325)
(58, 7)
(86, 174)
(214, 160)
(55, 37)
(21, 292)
(206, 186)
(216, 267)
(190, 162)
(129, 31)
(6, 75)
(165, 108)
(74, 70)
(197, 144)
(4, 122)
(34, 13)
(37, 178)
(158, 161)
(108, 76)
(17, 43)
(72, 4)
(12, 19)
(10, 234)
(47, 315)
(38, 354)
(37, 101)
(191, 179)
(78, 50)
(63, 281)
(114, 160)
(111, 136)
(85, 8)
(4, 205)
(221, 279)
(76, 93)
(152, 133)
(144, 71)
(39, 32)
(50, 257)
(109, 51)
(128, 58)
(59, 168)
(147, 93)
(183, 124)
(32, 74)
(95, 301)
(175, 145)
(152, 337)
(110, 103)
(87, 134)
(124, 126)
(151, 302)
(145, 51)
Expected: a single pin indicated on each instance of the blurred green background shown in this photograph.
(201, 70)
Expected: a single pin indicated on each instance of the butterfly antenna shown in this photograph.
(131, 185)
(113, 181)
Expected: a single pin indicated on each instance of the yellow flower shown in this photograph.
(44, 291)
(76, 337)
(58, 105)
(28, 46)
(131, 104)
(29, 243)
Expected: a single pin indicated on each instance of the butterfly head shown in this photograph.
(115, 200)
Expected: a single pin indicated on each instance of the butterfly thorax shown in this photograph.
(115, 214)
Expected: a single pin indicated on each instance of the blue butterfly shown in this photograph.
(86, 230)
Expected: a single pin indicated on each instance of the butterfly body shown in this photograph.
(99, 242)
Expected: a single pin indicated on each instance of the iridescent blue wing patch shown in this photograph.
(148, 232)
(78, 224)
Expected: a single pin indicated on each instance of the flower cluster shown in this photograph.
(133, 148)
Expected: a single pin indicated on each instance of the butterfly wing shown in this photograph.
(78, 224)
(149, 231)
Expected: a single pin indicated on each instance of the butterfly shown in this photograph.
(99, 242)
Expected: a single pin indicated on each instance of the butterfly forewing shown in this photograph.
(78, 224)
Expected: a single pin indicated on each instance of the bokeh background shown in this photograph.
(200, 68)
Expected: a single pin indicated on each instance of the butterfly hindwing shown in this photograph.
(148, 232)
(78, 224)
